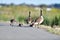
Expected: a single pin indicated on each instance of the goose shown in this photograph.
(12, 22)
(39, 20)
(29, 19)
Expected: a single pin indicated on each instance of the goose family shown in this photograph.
(37, 21)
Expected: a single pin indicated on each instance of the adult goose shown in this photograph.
(39, 20)
(29, 19)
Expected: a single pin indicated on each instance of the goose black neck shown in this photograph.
(29, 14)
(41, 12)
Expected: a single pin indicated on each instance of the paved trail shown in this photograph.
(24, 33)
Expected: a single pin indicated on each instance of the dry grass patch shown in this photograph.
(52, 30)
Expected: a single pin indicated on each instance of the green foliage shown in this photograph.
(55, 21)
(46, 21)
(59, 21)
(52, 23)
(21, 19)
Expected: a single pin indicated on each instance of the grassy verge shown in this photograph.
(51, 30)
(55, 31)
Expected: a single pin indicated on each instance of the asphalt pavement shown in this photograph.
(8, 32)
